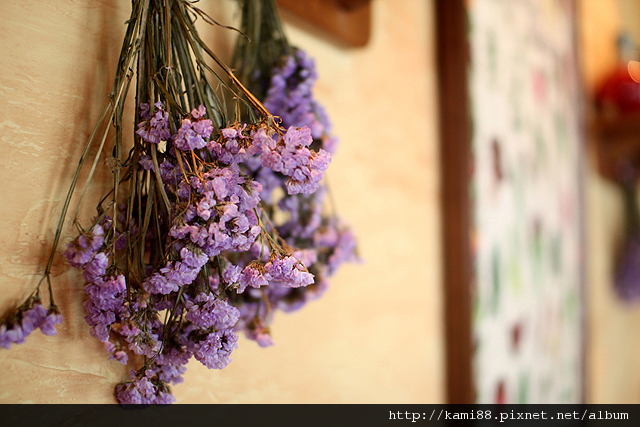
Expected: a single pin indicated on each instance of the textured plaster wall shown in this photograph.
(375, 337)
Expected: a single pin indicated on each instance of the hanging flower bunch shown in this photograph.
(216, 217)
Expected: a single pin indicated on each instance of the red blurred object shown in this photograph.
(501, 393)
(621, 90)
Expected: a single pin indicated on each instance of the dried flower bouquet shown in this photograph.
(217, 214)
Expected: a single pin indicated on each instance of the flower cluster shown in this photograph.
(30, 316)
(323, 241)
(212, 223)
(205, 261)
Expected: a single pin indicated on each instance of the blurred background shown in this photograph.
(541, 213)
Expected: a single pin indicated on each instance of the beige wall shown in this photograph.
(613, 345)
(375, 337)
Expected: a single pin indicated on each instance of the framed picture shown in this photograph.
(512, 163)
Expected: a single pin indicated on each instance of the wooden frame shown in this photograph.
(347, 22)
(457, 207)
(453, 59)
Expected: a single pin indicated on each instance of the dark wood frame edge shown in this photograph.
(455, 137)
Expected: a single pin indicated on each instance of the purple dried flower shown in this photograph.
(194, 131)
(253, 275)
(146, 163)
(154, 128)
(291, 157)
(214, 351)
(208, 311)
(288, 270)
(32, 318)
(120, 356)
(53, 318)
(627, 276)
(81, 250)
(5, 340)
(140, 391)
(96, 268)
(233, 145)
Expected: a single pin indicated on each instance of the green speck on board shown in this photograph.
(523, 389)
(556, 254)
(495, 268)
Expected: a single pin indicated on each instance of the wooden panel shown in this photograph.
(346, 21)
(453, 57)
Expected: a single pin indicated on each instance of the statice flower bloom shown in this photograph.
(146, 163)
(53, 318)
(208, 311)
(169, 173)
(290, 92)
(105, 305)
(223, 217)
(288, 270)
(234, 145)
(194, 131)
(214, 351)
(96, 268)
(80, 251)
(176, 274)
(5, 340)
(253, 275)
(170, 364)
(33, 318)
(256, 330)
(305, 214)
(291, 157)
(30, 316)
(154, 128)
(142, 391)
(337, 241)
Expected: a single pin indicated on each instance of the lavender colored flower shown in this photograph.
(338, 242)
(5, 340)
(105, 304)
(174, 275)
(120, 356)
(234, 145)
(290, 92)
(261, 336)
(81, 250)
(305, 214)
(16, 335)
(170, 365)
(214, 351)
(155, 127)
(231, 274)
(225, 201)
(627, 276)
(137, 392)
(53, 318)
(96, 268)
(253, 275)
(292, 157)
(193, 259)
(33, 318)
(288, 270)
(169, 173)
(194, 131)
(146, 163)
(208, 311)
(147, 339)
(30, 316)
(256, 330)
